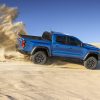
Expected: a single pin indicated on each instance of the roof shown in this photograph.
(52, 32)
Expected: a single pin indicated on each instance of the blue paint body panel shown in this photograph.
(57, 49)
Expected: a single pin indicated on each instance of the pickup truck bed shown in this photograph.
(45, 36)
(32, 37)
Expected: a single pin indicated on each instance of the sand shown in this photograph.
(21, 80)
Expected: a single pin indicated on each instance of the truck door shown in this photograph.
(60, 47)
(76, 49)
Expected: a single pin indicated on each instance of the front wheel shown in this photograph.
(91, 63)
(39, 57)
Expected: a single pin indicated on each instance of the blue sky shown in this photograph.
(79, 18)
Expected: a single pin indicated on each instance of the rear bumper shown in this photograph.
(23, 52)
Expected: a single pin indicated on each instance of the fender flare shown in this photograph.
(41, 47)
(91, 53)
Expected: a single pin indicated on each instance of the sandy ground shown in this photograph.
(22, 80)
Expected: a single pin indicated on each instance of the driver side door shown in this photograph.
(76, 49)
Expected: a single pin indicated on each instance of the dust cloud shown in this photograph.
(8, 32)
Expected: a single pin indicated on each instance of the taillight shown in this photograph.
(23, 43)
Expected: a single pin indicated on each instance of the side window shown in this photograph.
(74, 41)
(61, 39)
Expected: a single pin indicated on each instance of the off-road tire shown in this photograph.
(91, 63)
(39, 57)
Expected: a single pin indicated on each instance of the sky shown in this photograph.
(80, 18)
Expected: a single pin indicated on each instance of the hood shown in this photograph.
(91, 47)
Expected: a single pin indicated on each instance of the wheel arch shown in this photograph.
(92, 54)
(41, 48)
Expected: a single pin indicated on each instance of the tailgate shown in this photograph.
(20, 43)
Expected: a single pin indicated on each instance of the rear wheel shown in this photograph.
(39, 57)
(90, 63)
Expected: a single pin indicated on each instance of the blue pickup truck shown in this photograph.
(55, 44)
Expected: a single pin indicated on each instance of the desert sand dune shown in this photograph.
(20, 79)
